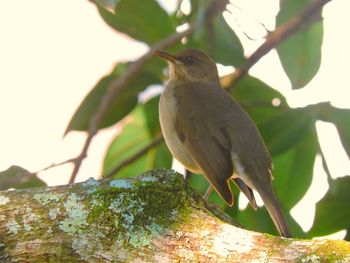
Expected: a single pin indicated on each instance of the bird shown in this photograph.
(209, 133)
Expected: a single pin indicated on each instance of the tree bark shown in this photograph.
(155, 217)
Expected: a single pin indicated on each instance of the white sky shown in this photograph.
(53, 52)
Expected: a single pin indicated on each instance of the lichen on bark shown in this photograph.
(129, 212)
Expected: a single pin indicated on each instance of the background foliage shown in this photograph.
(289, 133)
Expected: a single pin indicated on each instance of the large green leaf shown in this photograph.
(280, 126)
(228, 47)
(152, 116)
(293, 170)
(18, 177)
(134, 137)
(142, 20)
(122, 104)
(285, 130)
(332, 211)
(300, 54)
(257, 98)
(341, 119)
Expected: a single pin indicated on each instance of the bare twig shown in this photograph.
(53, 165)
(134, 157)
(117, 86)
(281, 33)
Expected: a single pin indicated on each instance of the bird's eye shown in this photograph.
(190, 59)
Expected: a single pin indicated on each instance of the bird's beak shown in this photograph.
(167, 56)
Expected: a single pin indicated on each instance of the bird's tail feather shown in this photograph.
(247, 191)
(276, 214)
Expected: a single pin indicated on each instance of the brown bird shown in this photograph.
(209, 132)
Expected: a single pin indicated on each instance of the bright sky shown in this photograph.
(53, 52)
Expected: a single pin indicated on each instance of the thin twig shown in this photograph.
(117, 86)
(53, 165)
(134, 157)
(281, 33)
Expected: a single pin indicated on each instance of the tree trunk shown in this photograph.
(154, 217)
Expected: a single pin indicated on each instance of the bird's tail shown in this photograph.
(276, 214)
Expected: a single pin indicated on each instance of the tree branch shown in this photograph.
(154, 217)
(281, 33)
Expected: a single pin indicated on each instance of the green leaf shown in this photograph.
(228, 47)
(18, 178)
(293, 170)
(257, 98)
(341, 119)
(285, 130)
(142, 20)
(332, 211)
(300, 54)
(280, 126)
(258, 220)
(134, 137)
(121, 105)
(152, 116)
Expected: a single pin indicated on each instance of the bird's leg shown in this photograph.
(207, 193)
(187, 175)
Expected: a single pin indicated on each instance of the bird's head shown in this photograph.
(190, 65)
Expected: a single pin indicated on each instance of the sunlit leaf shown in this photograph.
(285, 130)
(18, 177)
(152, 117)
(134, 137)
(332, 211)
(300, 54)
(293, 170)
(228, 47)
(258, 98)
(142, 20)
(341, 119)
(122, 104)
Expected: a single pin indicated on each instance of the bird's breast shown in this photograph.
(168, 110)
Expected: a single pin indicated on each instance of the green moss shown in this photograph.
(135, 214)
(332, 251)
(276, 243)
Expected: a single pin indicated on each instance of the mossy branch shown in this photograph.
(155, 217)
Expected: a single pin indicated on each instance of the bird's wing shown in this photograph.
(211, 125)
